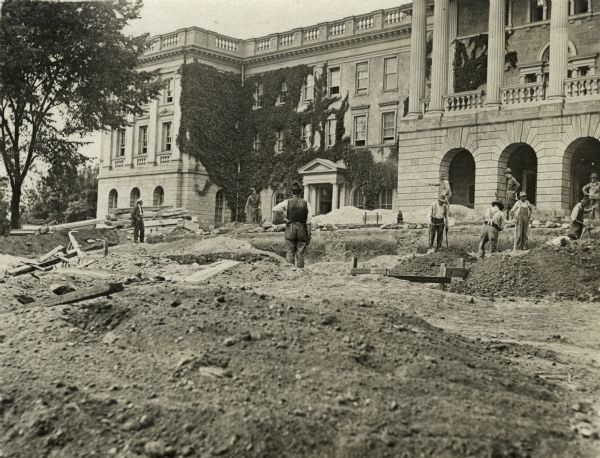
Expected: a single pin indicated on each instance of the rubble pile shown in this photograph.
(569, 272)
(430, 264)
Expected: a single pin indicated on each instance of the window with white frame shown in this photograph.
(220, 205)
(283, 93)
(143, 140)
(121, 142)
(113, 199)
(358, 199)
(362, 77)
(386, 199)
(360, 130)
(167, 139)
(158, 197)
(390, 73)
(334, 81)
(279, 141)
(256, 142)
(258, 95)
(388, 127)
(309, 87)
(306, 136)
(539, 10)
(330, 128)
(168, 94)
(579, 6)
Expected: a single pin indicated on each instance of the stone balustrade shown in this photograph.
(338, 28)
(523, 93)
(163, 158)
(226, 44)
(263, 45)
(397, 16)
(365, 23)
(463, 101)
(312, 34)
(582, 86)
(286, 40)
(169, 41)
(118, 162)
(140, 161)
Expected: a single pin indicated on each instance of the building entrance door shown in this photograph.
(325, 198)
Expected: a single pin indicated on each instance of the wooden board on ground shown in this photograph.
(81, 295)
(75, 225)
(75, 245)
(50, 262)
(59, 249)
(209, 270)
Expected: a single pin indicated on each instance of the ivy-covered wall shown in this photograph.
(219, 123)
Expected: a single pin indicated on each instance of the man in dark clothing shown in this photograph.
(577, 216)
(296, 213)
(512, 191)
(138, 221)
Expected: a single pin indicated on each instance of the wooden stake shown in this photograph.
(81, 295)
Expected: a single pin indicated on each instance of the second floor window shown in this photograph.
(309, 87)
(168, 95)
(388, 127)
(390, 73)
(360, 130)
(334, 81)
(330, 133)
(256, 142)
(121, 142)
(279, 141)
(362, 77)
(283, 92)
(539, 10)
(143, 140)
(306, 136)
(258, 95)
(579, 6)
(167, 136)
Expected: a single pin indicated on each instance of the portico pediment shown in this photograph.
(322, 166)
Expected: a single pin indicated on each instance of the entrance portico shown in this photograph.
(324, 185)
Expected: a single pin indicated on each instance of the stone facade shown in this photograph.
(540, 118)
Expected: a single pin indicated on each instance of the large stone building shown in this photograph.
(539, 115)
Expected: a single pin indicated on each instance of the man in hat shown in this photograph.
(493, 224)
(138, 221)
(443, 187)
(512, 189)
(252, 209)
(592, 190)
(521, 213)
(437, 215)
(296, 213)
(577, 216)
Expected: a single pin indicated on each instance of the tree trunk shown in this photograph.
(15, 207)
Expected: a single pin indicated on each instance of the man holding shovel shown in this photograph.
(437, 216)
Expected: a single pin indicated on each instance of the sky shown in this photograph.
(240, 19)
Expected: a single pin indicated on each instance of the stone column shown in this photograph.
(439, 57)
(153, 132)
(452, 32)
(306, 192)
(495, 60)
(559, 47)
(313, 198)
(342, 195)
(418, 38)
(335, 196)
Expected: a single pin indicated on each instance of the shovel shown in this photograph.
(446, 231)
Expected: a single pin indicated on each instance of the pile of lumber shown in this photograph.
(153, 217)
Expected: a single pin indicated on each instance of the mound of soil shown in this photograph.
(571, 272)
(430, 264)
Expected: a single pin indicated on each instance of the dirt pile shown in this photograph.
(571, 272)
(429, 264)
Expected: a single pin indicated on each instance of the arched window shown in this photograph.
(134, 196)
(113, 199)
(278, 197)
(220, 207)
(358, 198)
(158, 198)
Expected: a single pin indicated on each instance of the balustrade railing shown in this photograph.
(398, 16)
(365, 23)
(523, 93)
(140, 161)
(463, 101)
(163, 158)
(338, 28)
(311, 34)
(226, 44)
(582, 86)
(287, 40)
(118, 162)
(169, 41)
(263, 45)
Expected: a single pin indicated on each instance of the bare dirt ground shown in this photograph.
(264, 360)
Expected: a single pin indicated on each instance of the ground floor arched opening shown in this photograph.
(584, 157)
(459, 166)
(522, 160)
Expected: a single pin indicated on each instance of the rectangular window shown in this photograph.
(362, 77)
(309, 87)
(168, 94)
(578, 6)
(283, 92)
(306, 136)
(388, 127)
(386, 198)
(539, 10)
(330, 133)
(334, 81)
(166, 136)
(279, 141)
(256, 143)
(390, 73)
(258, 95)
(360, 130)
(143, 140)
(121, 142)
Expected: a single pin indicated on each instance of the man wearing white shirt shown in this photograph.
(521, 213)
(437, 216)
(493, 223)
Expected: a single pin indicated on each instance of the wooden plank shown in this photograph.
(75, 225)
(81, 295)
(421, 278)
(50, 254)
(456, 272)
(75, 245)
(50, 262)
(364, 271)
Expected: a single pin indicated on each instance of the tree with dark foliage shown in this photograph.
(66, 69)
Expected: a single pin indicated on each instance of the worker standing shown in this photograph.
(437, 215)
(521, 213)
(138, 221)
(252, 209)
(512, 190)
(592, 190)
(493, 224)
(296, 213)
(577, 216)
(443, 187)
